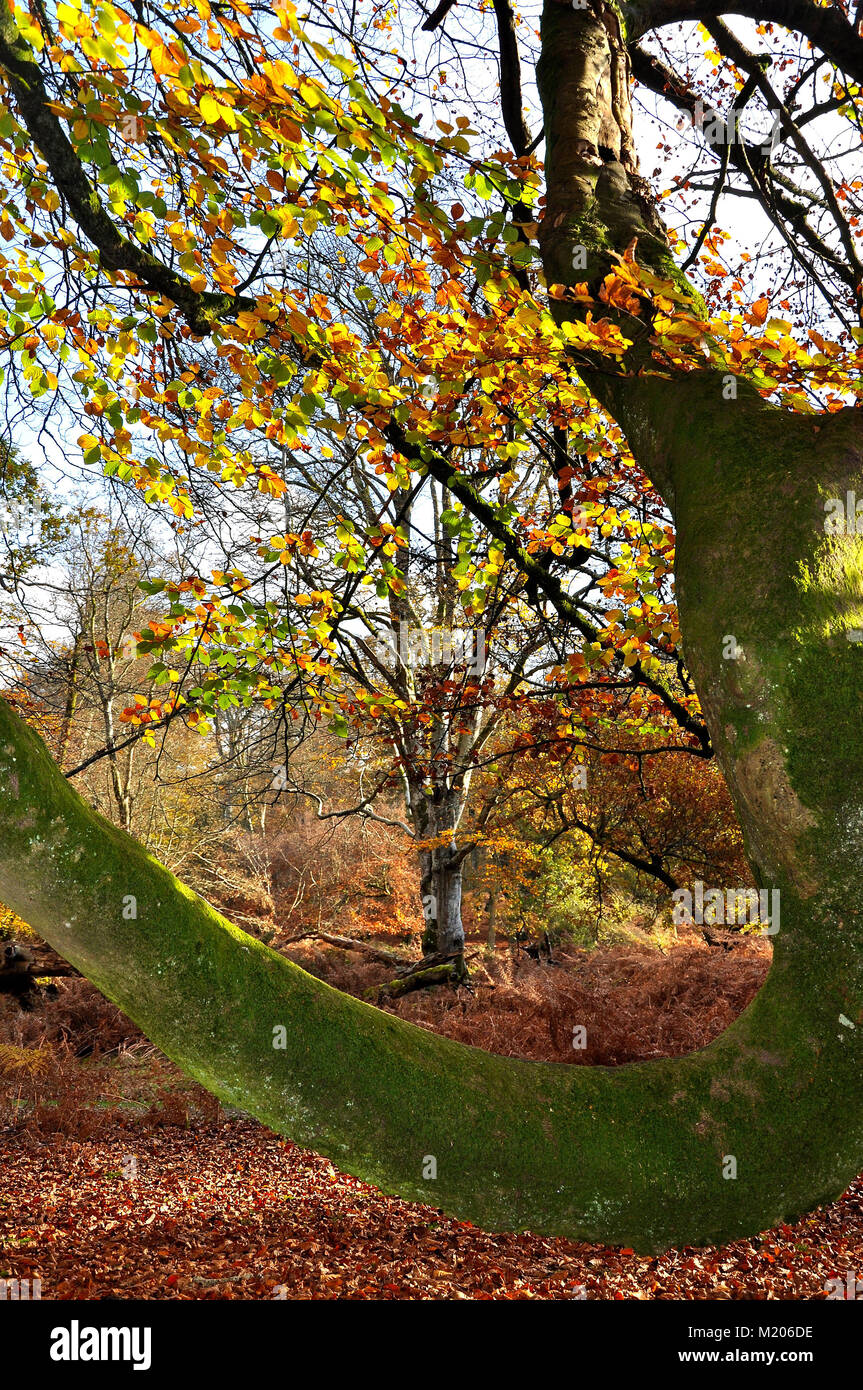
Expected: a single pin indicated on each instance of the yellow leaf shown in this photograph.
(210, 109)
(213, 111)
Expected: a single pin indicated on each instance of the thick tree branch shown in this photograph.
(826, 28)
(438, 16)
(511, 100)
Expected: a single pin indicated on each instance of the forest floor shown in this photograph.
(121, 1179)
(231, 1211)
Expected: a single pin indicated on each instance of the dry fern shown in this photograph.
(32, 1060)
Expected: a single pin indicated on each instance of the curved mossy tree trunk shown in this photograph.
(636, 1154)
(756, 1128)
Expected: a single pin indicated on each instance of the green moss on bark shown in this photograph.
(745, 483)
(633, 1154)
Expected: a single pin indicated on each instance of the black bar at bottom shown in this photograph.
(84, 1341)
